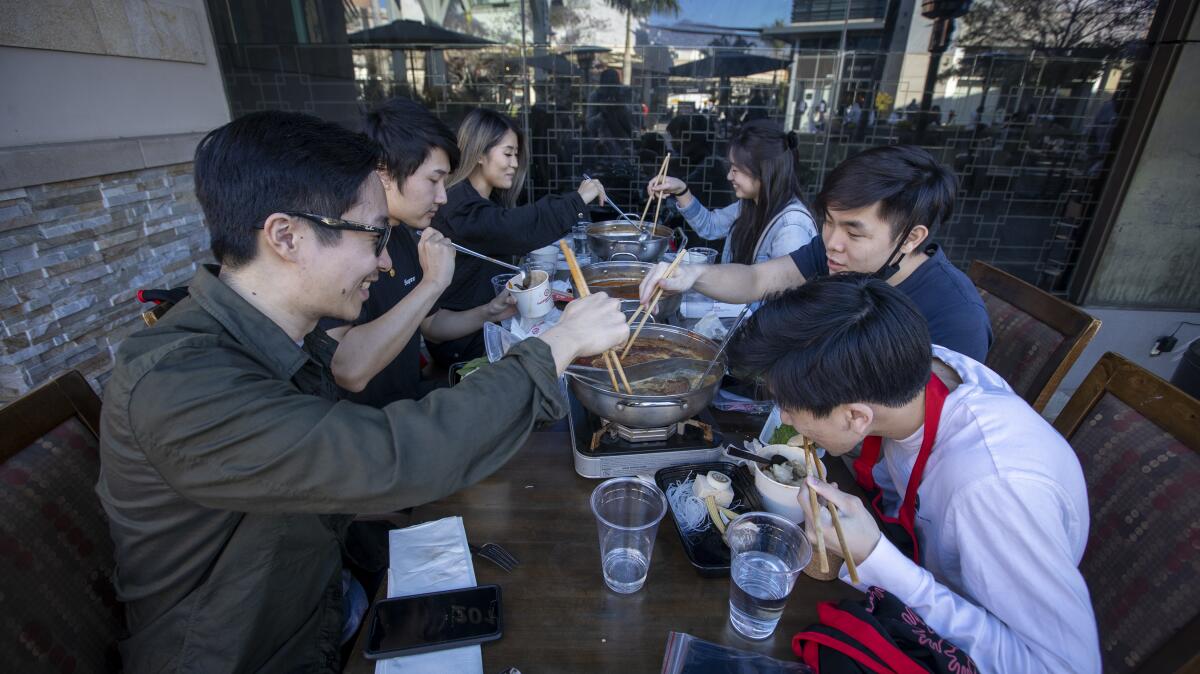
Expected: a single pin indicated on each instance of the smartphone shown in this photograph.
(433, 622)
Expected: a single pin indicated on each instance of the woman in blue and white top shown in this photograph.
(769, 219)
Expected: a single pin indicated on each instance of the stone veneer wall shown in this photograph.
(72, 256)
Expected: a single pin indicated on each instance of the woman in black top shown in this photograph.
(481, 214)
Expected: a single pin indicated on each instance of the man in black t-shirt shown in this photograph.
(879, 209)
(378, 356)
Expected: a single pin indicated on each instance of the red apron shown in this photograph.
(900, 530)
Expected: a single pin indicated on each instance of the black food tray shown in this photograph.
(706, 550)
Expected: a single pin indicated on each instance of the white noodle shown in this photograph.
(690, 512)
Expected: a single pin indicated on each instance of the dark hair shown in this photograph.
(407, 133)
(846, 338)
(770, 155)
(268, 162)
(909, 185)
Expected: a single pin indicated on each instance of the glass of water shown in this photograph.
(579, 239)
(500, 282)
(627, 511)
(768, 554)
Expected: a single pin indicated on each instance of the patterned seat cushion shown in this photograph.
(57, 606)
(1022, 347)
(1142, 562)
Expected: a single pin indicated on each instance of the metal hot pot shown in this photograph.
(622, 280)
(653, 411)
(621, 240)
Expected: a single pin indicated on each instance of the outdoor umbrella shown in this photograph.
(728, 64)
(404, 33)
(551, 63)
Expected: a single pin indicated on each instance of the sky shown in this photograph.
(735, 14)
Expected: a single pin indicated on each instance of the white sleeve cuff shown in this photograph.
(888, 568)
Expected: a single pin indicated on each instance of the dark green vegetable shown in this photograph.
(471, 366)
(782, 435)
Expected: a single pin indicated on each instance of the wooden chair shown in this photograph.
(1038, 337)
(1138, 440)
(59, 610)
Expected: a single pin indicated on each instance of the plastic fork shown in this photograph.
(495, 554)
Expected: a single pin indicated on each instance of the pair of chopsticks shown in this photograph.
(662, 172)
(653, 303)
(817, 468)
(610, 359)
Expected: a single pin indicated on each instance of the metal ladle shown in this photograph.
(614, 205)
(724, 343)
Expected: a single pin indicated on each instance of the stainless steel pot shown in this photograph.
(619, 240)
(646, 411)
(622, 279)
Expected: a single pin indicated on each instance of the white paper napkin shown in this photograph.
(431, 557)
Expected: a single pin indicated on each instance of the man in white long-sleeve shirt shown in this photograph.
(983, 504)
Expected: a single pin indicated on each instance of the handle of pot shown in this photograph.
(683, 240)
(626, 403)
(632, 256)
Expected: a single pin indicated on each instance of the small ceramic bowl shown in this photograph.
(777, 497)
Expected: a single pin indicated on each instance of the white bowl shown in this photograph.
(778, 498)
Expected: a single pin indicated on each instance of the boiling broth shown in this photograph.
(621, 288)
(644, 351)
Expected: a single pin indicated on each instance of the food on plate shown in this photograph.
(472, 366)
(716, 490)
(711, 503)
(716, 484)
(696, 505)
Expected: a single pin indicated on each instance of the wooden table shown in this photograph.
(558, 614)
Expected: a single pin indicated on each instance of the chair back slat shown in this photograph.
(1038, 337)
(56, 553)
(1138, 440)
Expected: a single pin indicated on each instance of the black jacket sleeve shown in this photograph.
(489, 228)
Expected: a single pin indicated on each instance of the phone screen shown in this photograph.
(432, 621)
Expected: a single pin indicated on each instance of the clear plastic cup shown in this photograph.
(697, 304)
(579, 240)
(701, 256)
(551, 268)
(768, 554)
(627, 510)
(500, 281)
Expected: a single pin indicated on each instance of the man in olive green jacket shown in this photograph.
(228, 464)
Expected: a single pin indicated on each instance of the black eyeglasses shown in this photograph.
(384, 233)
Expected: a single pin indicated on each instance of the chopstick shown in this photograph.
(810, 448)
(661, 175)
(661, 172)
(653, 304)
(610, 359)
(815, 508)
